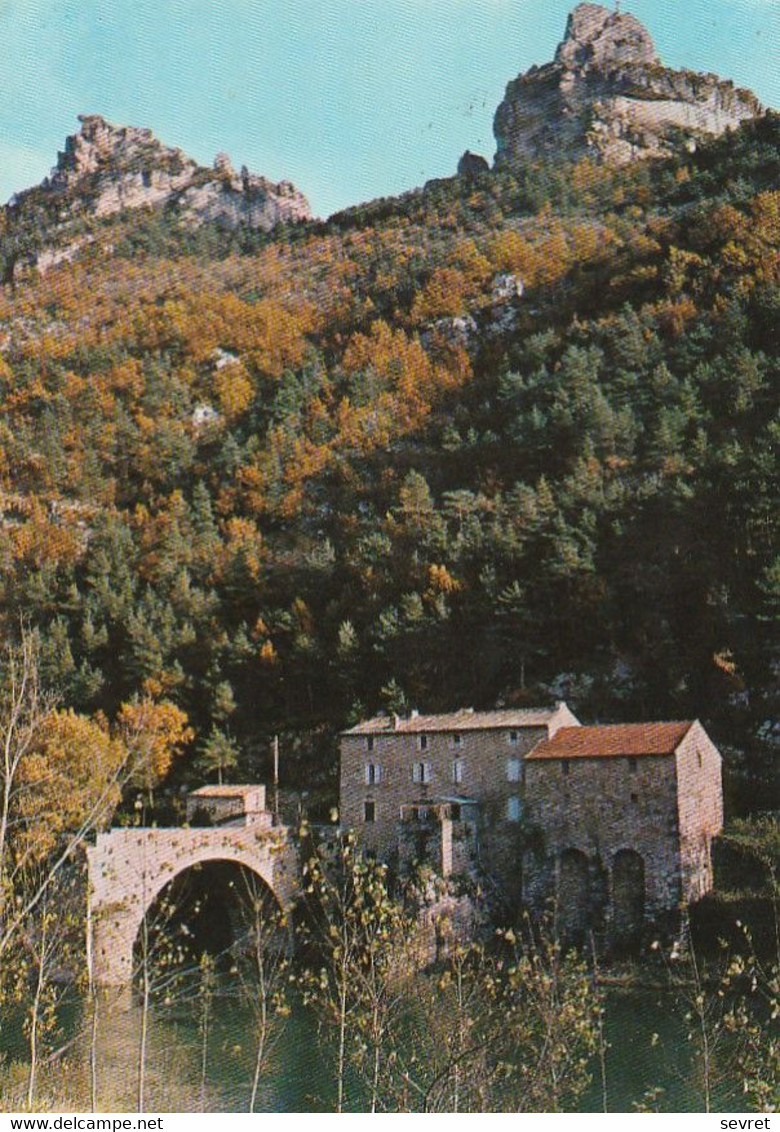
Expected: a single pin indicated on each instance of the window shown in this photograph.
(457, 771)
(513, 808)
(698, 756)
(369, 811)
(632, 764)
(513, 737)
(454, 811)
(635, 799)
(565, 767)
(146, 179)
(514, 771)
(370, 743)
(373, 774)
(421, 772)
(422, 742)
(456, 740)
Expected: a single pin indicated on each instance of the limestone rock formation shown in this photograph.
(607, 96)
(106, 169)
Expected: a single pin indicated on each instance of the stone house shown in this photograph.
(397, 771)
(613, 824)
(625, 815)
(228, 805)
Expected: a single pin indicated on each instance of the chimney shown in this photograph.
(414, 713)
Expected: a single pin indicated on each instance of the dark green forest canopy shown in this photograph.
(286, 480)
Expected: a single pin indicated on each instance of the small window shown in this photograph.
(457, 771)
(635, 799)
(422, 742)
(146, 179)
(369, 811)
(698, 756)
(513, 737)
(421, 772)
(456, 740)
(373, 774)
(565, 767)
(370, 743)
(513, 770)
(513, 808)
(632, 765)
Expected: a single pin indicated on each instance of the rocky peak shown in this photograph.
(102, 148)
(106, 169)
(607, 96)
(595, 36)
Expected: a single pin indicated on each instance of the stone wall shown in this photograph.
(700, 810)
(600, 808)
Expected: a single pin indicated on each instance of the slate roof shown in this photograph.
(612, 741)
(466, 719)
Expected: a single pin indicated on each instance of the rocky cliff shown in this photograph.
(107, 169)
(607, 96)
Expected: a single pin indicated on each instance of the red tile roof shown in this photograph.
(612, 741)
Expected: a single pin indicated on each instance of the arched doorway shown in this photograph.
(573, 895)
(219, 908)
(628, 897)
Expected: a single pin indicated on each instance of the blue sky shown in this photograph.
(350, 99)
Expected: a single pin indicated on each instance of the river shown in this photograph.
(646, 1051)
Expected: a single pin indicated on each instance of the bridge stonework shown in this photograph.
(129, 868)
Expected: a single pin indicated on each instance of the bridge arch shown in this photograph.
(130, 869)
(214, 906)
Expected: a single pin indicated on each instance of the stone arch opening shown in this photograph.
(628, 896)
(210, 907)
(574, 896)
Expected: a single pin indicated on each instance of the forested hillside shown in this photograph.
(509, 438)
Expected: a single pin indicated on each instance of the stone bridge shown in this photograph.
(130, 868)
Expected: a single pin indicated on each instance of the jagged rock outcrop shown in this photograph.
(607, 96)
(106, 169)
(472, 165)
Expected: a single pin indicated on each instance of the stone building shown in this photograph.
(625, 816)
(613, 824)
(397, 773)
(220, 805)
